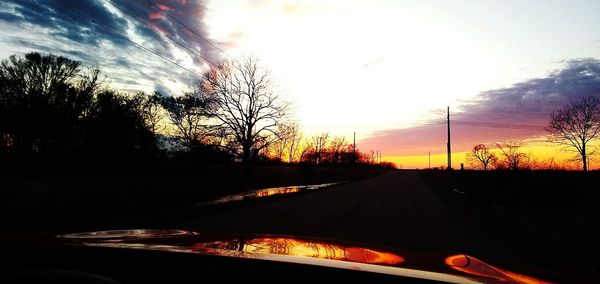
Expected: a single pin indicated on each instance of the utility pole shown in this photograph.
(354, 145)
(449, 151)
(429, 160)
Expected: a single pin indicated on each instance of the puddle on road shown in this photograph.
(269, 192)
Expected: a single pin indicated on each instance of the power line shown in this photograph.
(160, 32)
(488, 124)
(518, 112)
(497, 112)
(186, 26)
(499, 125)
(134, 43)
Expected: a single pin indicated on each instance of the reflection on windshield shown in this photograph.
(477, 267)
(303, 248)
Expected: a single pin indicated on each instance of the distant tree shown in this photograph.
(307, 150)
(481, 156)
(315, 150)
(245, 104)
(338, 145)
(371, 157)
(575, 125)
(511, 156)
(535, 163)
(295, 138)
(321, 142)
(151, 110)
(283, 135)
(189, 114)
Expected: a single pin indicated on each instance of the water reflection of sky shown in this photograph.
(269, 192)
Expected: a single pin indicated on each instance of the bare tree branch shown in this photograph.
(575, 125)
(242, 100)
(481, 156)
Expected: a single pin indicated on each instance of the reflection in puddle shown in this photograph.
(129, 234)
(269, 192)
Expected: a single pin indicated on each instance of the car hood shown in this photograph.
(457, 268)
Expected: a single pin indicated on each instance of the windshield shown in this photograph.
(436, 128)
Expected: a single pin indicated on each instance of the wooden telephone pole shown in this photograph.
(448, 146)
(354, 148)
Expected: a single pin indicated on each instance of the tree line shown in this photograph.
(320, 148)
(53, 109)
(574, 127)
(507, 156)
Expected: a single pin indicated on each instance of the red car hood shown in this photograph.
(309, 251)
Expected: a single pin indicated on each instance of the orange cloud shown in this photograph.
(165, 7)
(156, 16)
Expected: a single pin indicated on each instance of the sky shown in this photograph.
(383, 69)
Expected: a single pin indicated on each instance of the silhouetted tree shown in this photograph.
(337, 146)
(295, 139)
(480, 155)
(244, 104)
(287, 143)
(52, 108)
(575, 125)
(115, 128)
(511, 157)
(43, 99)
(371, 159)
(151, 110)
(283, 135)
(315, 148)
(189, 114)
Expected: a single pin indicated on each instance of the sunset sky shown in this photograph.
(384, 69)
